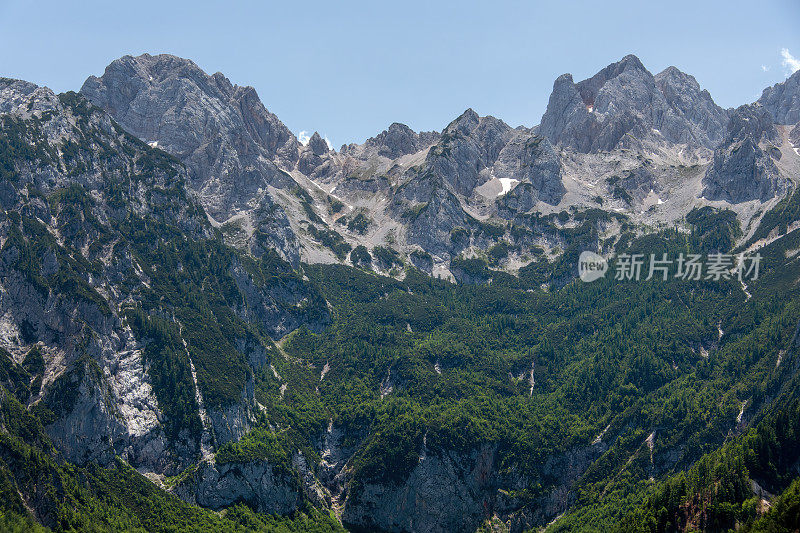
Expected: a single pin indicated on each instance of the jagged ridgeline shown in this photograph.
(206, 324)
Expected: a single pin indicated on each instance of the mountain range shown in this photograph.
(624, 140)
(199, 309)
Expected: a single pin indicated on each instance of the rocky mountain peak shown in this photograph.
(464, 123)
(398, 140)
(565, 111)
(318, 144)
(22, 97)
(149, 95)
(673, 81)
(782, 100)
(629, 66)
(753, 121)
(692, 117)
(594, 114)
(395, 141)
(465, 154)
(597, 113)
(232, 146)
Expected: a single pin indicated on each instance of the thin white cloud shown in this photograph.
(329, 143)
(790, 63)
(765, 68)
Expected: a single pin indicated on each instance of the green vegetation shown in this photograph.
(459, 236)
(414, 211)
(778, 218)
(335, 204)
(387, 258)
(114, 498)
(331, 240)
(660, 403)
(621, 194)
(258, 445)
(716, 229)
(359, 223)
(360, 256)
(632, 360)
(498, 252)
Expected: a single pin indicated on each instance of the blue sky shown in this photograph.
(349, 69)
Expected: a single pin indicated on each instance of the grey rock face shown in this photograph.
(741, 169)
(115, 414)
(534, 162)
(782, 100)
(752, 121)
(471, 151)
(311, 154)
(232, 422)
(266, 304)
(566, 114)
(625, 99)
(166, 99)
(267, 488)
(229, 142)
(692, 117)
(456, 491)
(397, 141)
(93, 182)
(318, 144)
(445, 493)
(17, 95)
(357, 185)
(469, 146)
(432, 227)
(94, 376)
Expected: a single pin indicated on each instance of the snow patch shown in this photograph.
(507, 184)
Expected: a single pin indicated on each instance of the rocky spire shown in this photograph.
(318, 144)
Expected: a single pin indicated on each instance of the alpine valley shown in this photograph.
(207, 325)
